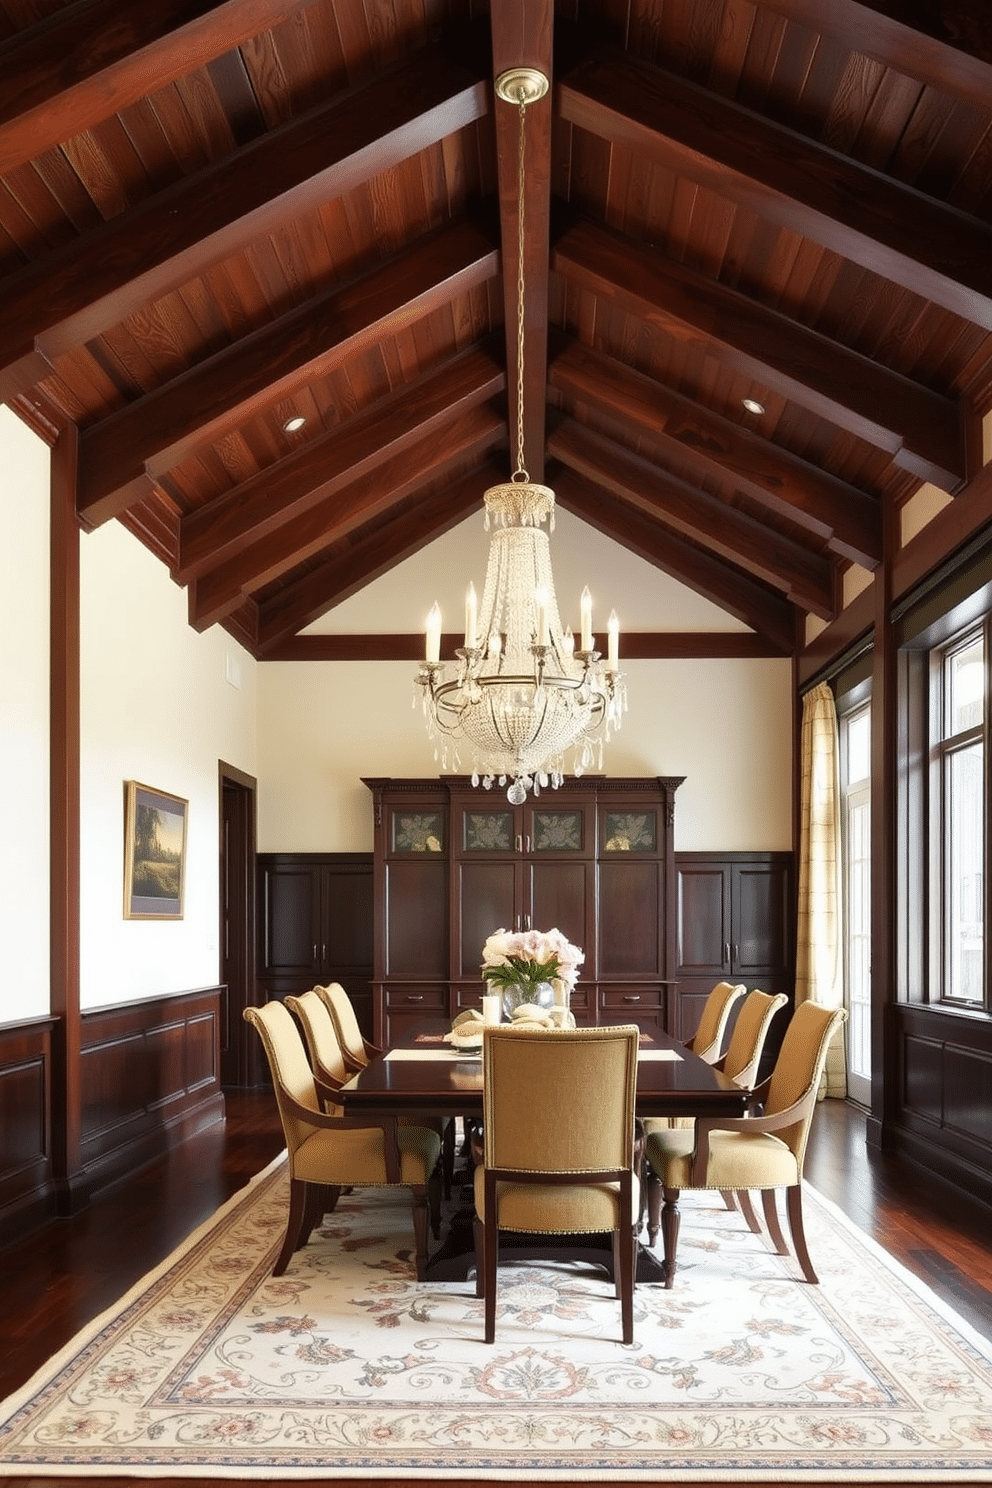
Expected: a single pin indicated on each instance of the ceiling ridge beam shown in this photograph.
(216, 591)
(648, 645)
(73, 294)
(368, 554)
(91, 59)
(722, 583)
(805, 577)
(347, 451)
(921, 430)
(123, 455)
(846, 518)
(930, 248)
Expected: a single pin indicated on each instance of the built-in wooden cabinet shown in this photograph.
(736, 918)
(453, 863)
(315, 918)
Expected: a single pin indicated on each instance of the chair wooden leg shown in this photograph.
(624, 1248)
(794, 1205)
(294, 1223)
(419, 1194)
(434, 1185)
(480, 1248)
(747, 1209)
(727, 1194)
(313, 1212)
(448, 1158)
(670, 1221)
(770, 1207)
(490, 1254)
(653, 1185)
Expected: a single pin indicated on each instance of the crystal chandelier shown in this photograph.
(520, 696)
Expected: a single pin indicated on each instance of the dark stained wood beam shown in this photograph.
(351, 450)
(637, 646)
(920, 429)
(929, 248)
(367, 554)
(805, 577)
(71, 295)
(845, 518)
(945, 43)
(773, 617)
(123, 455)
(88, 60)
(469, 438)
(522, 37)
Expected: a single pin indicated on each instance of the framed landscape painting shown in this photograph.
(154, 853)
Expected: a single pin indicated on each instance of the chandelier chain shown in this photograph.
(521, 471)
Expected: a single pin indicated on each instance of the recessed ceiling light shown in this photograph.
(292, 424)
(752, 405)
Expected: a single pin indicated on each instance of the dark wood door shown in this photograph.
(240, 1056)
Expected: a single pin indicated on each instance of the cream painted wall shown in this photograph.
(156, 706)
(725, 725)
(24, 752)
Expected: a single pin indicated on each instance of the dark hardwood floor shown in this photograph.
(67, 1273)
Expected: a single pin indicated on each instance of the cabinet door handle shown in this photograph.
(526, 922)
(527, 843)
(726, 951)
(632, 997)
(518, 842)
(414, 997)
(315, 952)
(323, 953)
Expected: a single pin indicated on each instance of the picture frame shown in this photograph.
(154, 853)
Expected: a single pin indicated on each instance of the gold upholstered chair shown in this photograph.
(328, 1153)
(765, 1152)
(556, 1162)
(707, 1041)
(327, 1059)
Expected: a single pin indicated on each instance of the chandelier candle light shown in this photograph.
(520, 695)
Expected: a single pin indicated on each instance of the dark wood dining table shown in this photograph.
(426, 1077)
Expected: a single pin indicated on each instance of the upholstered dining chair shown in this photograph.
(554, 1161)
(707, 1041)
(749, 1152)
(328, 1153)
(358, 1052)
(327, 1059)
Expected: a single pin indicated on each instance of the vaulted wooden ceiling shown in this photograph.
(216, 215)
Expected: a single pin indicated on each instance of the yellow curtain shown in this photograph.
(819, 946)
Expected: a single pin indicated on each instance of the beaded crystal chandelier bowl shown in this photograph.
(520, 696)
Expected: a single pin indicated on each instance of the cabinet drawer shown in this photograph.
(631, 997)
(427, 999)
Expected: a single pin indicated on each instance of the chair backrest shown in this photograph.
(708, 1038)
(559, 1100)
(747, 1041)
(320, 1036)
(288, 1065)
(339, 1005)
(799, 1066)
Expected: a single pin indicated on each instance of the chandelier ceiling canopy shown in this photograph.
(521, 695)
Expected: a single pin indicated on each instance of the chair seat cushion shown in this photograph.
(354, 1156)
(583, 1209)
(737, 1159)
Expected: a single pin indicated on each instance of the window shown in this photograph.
(958, 816)
(855, 765)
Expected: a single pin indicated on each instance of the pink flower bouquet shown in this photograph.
(525, 958)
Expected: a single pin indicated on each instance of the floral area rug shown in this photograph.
(346, 1367)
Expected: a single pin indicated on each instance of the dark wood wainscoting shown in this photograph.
(27, 1195)
(149, 1077)
(940, 1105)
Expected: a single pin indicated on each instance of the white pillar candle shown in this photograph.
(492, 1007)
(470, 618)
(585, 612)
(541, 601)
(613, 629)
(433, 654)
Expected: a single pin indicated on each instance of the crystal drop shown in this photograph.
(475, 777)
(516, 795)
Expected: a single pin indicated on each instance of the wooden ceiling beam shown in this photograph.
(67, 297)
(469, 438)
(805, 578)
(848, 520)
(89, 60)
(932, 249)
(724, 585)
(920, 429)
(369, 553)
(352, 449)
(522, 37)
(946, 46)
(638, 645)
(121, 457)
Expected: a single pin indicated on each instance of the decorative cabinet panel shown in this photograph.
(315, 925)
(453, 863)
(736, 922)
